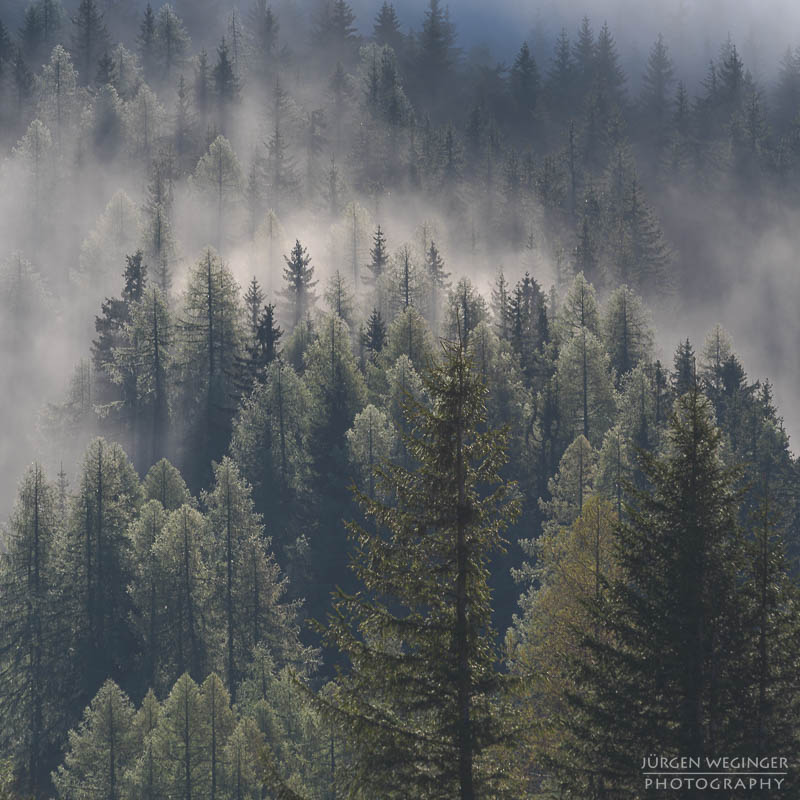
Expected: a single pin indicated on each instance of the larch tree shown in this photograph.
(248, 584)
(626, 331)
(270, 444)
(370, 443)
(144, 589)
(210, 334)
(95, 566)
(164, 483)
(184, 574)
(219, 177)
(32, 635)
(100, 749)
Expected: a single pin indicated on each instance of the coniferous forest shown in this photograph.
(385, 435)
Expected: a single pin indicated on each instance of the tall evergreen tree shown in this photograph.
(100, 750)
(32, 636)
(89, 38)
(420, 696)
(210, 334)
(299, 276)
(675, 619)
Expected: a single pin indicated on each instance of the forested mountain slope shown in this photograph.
(361, 467)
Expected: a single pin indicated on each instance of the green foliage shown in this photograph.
(418, 701)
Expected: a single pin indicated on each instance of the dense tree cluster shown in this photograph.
(344, 422)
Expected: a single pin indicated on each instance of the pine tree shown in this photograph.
(219, 722)
(299, 276)
(183, 130)
(105, 70)
(149, 357)
(370, 443)
(435, 54)
(145, 587)
(201, 90)
(560, 84)
(586, 388)
(609, 77)
(584, 52)
(684, 375)
(570, 487)
(179, 740)
(501, 306)
(419, 635)
(159, 238)
(89, 37)
(23, 83)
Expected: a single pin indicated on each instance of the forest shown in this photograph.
(371, 424)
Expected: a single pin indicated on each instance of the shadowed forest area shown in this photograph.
(372, 427)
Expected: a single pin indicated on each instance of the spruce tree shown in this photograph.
(420, 696)
(379, 258)
(299, 276)
(386, 29)
(669, 637)
(89, 38)
(375, 334)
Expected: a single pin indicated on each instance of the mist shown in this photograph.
(733, 260)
